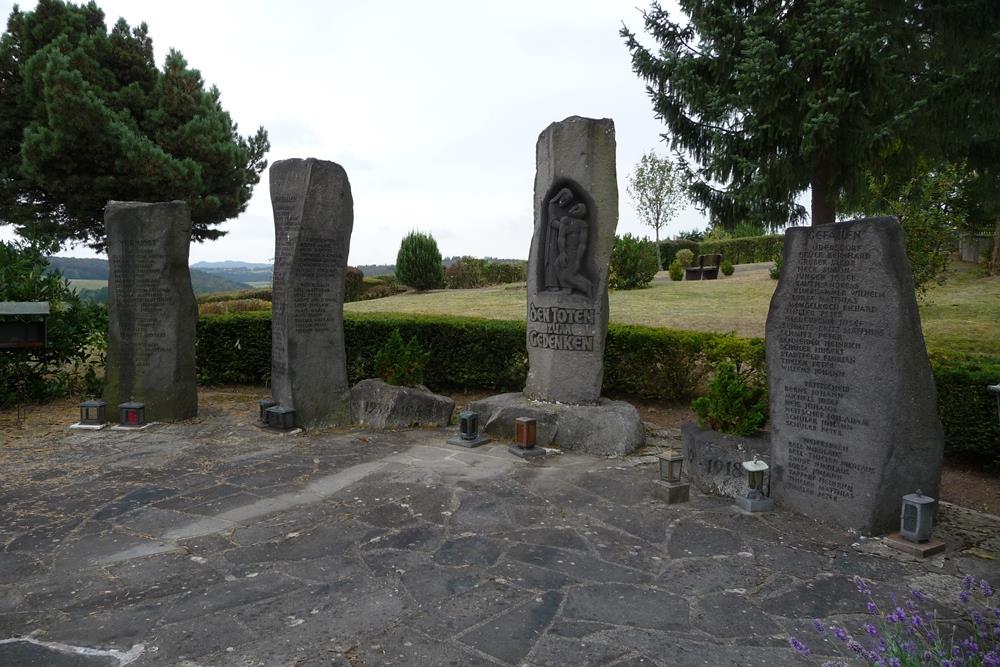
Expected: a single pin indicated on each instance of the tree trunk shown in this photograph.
(659, 256)
(993, 267)
(824, 203)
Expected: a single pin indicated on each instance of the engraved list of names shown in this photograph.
(834, 335)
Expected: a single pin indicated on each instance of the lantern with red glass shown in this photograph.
(132, 414)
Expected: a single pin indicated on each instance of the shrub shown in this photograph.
(668, 250)
(401, 364)
(727, 268)
(263, 294)
(746, 230)
(354, 284)
(676, 270)
(685, 257)
(775, 270)
(418, 263)
(76, 330)
(968, 411)
(736, 401)
(470, 273)
(633, 262)
(746, 250)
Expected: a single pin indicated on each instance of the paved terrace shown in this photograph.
(210, 542)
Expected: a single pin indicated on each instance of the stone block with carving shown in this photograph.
(379, 405)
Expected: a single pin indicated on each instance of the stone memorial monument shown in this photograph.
(313, 219)
(152, 313)
(854, 423)
(576, 214)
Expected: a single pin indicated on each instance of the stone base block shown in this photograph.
(88, 427)
(752, 505)
(671, 493)
(607, 427)
(382, 406)
(713, 461)
(531, 453)
(119, 427)
(918, 549)
(462, 442)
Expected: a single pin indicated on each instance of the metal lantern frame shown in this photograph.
(280, 418)
(671, 466)
(94, 412)
(916, 517)
(263, 405)
(468, 424)
(132, 414)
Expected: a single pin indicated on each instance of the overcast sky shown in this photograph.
(433, 108)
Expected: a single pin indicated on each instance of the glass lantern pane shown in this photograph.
(909, 517)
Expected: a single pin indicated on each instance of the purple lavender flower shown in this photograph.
(968, 582)
(970, 646)
(985, 588)
(873, 658)
(928, 656)
(840, 633)
(871, 629)
(978, 619)
(799, 647)
(872, 609)
(956, 652)
(991, 659)
(894, 662)
(916, 620)
(964, 596)
(818, 625)
(918, 595)
(861, 585)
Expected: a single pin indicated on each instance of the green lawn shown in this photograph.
(963, 315)
(87, 283)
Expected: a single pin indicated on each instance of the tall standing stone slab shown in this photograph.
(576, 213)
(854, 423)
(152, 312)
(313, 219)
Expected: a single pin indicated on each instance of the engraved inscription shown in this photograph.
(831, 318)
(557, 328)
(135, 267)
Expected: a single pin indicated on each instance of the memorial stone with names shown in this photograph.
(152, 312)
(576, 214)
(313, 220)
(854, 423)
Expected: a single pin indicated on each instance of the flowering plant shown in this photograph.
(907, 635)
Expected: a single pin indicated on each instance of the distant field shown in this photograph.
(87, 283)
(259, 284)
(961, 316)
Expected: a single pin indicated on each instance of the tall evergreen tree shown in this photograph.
(86, 116)
(772, 97)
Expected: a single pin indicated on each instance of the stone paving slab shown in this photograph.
(214, 543)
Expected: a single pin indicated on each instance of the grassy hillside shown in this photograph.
(963, 315)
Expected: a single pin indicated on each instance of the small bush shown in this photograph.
(727, 268)
(633, 262)
(418, 263)
(676, 270)
(471, 273)
(685, 257)
(401, 364)
(668, 250)
(775, 270)
(736, 402)
(354, 284)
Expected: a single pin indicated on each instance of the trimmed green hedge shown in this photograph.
(470, 352)
(746, 250)
(968, 411)
(647, 363)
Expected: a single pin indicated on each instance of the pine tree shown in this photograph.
(86, 117)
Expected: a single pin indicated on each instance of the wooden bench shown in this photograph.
(707, 269)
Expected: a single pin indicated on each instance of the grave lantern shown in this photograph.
(669, 487)
(263, 406)
(132, 414)
(916, 517)
(468, 431)
(671, 466)
(280, 417)
(468, 425)
(93, 412)
(526, 430)
(756, 500)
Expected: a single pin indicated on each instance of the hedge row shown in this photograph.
(745, 250)
(475, 353)
(642, 362)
